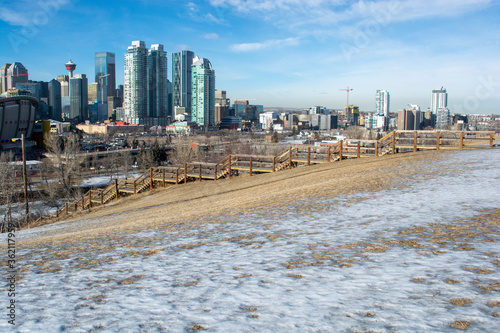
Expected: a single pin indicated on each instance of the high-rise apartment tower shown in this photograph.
(135, 98)
(382, 103)
(203, 90)
(181, 79)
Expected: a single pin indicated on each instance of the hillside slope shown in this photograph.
(401, 243)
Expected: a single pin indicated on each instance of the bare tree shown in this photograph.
(7, 188)
(354, 132)
(125, 162)
(64, 152)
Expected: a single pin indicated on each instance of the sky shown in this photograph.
(280, 53)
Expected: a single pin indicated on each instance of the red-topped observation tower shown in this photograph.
(70, 66)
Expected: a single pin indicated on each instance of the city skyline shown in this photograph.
(280, 53)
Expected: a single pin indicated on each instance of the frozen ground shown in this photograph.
(419, 257)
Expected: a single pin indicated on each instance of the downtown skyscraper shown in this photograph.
(105, 75)
(203, 92)
(146, 85)
(135, 86)
(181, 79)
(157, 82)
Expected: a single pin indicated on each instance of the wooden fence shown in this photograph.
(232, 165)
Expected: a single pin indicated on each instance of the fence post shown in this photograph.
(308, 156)
(415, 141)
(199, 165)
(491, 139)
(229, 166)
(250, 165)
(438, 135)
(176, 176)
(462, 140)
(185, 173)
(274, 163)
(215, 172)
(76, 206)
(394, 142)
(163, 177)
(66, 207)
(290, 158)
(116, 188)
(57, 212)
(90, 199)
(376, 148)
(102, 198)
(151, 179)
(83, 202)
(328, 154)
(135, 189)
(358, 149)
(341, 144)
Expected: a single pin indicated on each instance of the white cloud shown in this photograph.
(211, 36)
(199, 15)
(273, 43)
(29, 13)
(12, 17)
(296, 14)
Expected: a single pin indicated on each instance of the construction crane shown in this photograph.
(101, 80)
(348, 90)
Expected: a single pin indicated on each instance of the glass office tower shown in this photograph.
(105, 75)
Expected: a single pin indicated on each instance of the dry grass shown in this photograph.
(460, 325)
(198, 327)
(297, 276)
(376, 249)
(461, 301)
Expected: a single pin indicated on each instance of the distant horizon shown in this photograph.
(296, 55)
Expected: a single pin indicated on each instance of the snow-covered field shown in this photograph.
(418, 257)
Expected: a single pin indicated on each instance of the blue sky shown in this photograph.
(290, 53)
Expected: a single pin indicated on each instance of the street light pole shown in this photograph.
(25, 180)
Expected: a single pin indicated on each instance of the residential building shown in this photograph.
(317, 110)
(323, 122)
(157, 82)
(181, 79)
(382, 103)
(221, 105)
(443, 119)
(408, 120)
(267, 118)
(439, 99)
(203, 92)
(135, 92)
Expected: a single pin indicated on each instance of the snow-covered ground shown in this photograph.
(419, 257)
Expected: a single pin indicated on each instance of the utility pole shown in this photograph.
(25, 180)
